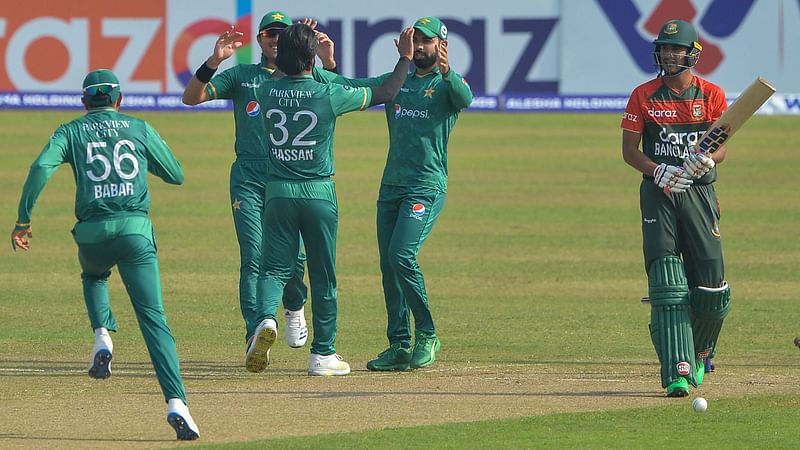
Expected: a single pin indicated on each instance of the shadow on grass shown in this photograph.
(23, 437)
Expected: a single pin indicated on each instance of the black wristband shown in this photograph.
(204, 73)
(334, 69)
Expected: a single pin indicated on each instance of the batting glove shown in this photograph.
(697, 164)
(19, 236)
(672, 178)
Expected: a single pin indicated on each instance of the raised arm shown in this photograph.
(226, 45)
(388, 90)
(458, 89)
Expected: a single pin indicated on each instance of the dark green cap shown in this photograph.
(431, 27)
(274, 19)
(678, 32)
(100, 86)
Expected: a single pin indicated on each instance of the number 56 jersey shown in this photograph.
(110, 154)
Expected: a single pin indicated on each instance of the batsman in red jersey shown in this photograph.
(689, 297)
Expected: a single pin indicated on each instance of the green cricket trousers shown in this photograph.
(136, 260)
(247, 188)
(405, 219)
(684, 225)
(307, 210)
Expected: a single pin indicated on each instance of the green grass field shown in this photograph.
(534, 273)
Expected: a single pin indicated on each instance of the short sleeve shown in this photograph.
(345, 99)
(718, 104)
(632, 117)
(223, 84)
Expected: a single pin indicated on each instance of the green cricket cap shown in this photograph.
(678, 32)
(273, 18)
(431, 27)
(101, 83)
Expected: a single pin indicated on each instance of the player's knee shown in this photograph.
(402, 261)
(711, 303)
(667, 282)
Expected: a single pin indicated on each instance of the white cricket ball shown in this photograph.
(699, 404)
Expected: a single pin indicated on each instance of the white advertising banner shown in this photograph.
(573, 55)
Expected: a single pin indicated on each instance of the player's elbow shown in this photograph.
(191, 100)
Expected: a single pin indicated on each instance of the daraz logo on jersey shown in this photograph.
(412, 113)
(253, 108)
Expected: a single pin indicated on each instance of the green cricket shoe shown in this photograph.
(699, 372)
(424, 353)
(678, 388)
(393, 358)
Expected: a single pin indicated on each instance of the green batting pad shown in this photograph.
(709, 307)
(670, 324)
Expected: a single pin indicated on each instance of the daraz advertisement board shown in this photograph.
(562, 55)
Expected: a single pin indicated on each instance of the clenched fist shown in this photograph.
(698, 164)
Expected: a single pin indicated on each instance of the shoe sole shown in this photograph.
(182, 430)
(101, 365)
(679, 392)
(395, 368)
(328, 372)
(436, 347)
(258, 358)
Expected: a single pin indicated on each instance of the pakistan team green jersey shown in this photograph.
(110, 154)
(300, 118)
(420, 120)
(240, 84)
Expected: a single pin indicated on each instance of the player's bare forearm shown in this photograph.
(633, 156)
(720, 154)
(195, 92)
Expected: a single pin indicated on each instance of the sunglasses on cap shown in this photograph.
(100, 88)
(270, 32)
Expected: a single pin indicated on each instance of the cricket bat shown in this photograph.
(736, 115)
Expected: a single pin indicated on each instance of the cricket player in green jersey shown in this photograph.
(300, 115)
(110, 154)
(412, 192)
(248, 171)
(688, 295)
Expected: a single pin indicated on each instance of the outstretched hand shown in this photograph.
(310, 22)
(225, 47)
(325, 50)
(405, 44)
(19, 237)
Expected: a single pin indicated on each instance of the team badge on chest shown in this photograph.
(697, 111)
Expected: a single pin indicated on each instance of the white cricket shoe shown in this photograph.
(258, 346)
(180, 419)
(100, 365)
(327, 365)
(296, 330)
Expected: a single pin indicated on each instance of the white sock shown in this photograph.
(102, 339)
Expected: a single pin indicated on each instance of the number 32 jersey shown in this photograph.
(110, 154)
(300, 116)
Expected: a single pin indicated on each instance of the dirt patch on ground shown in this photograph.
(55, 405)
